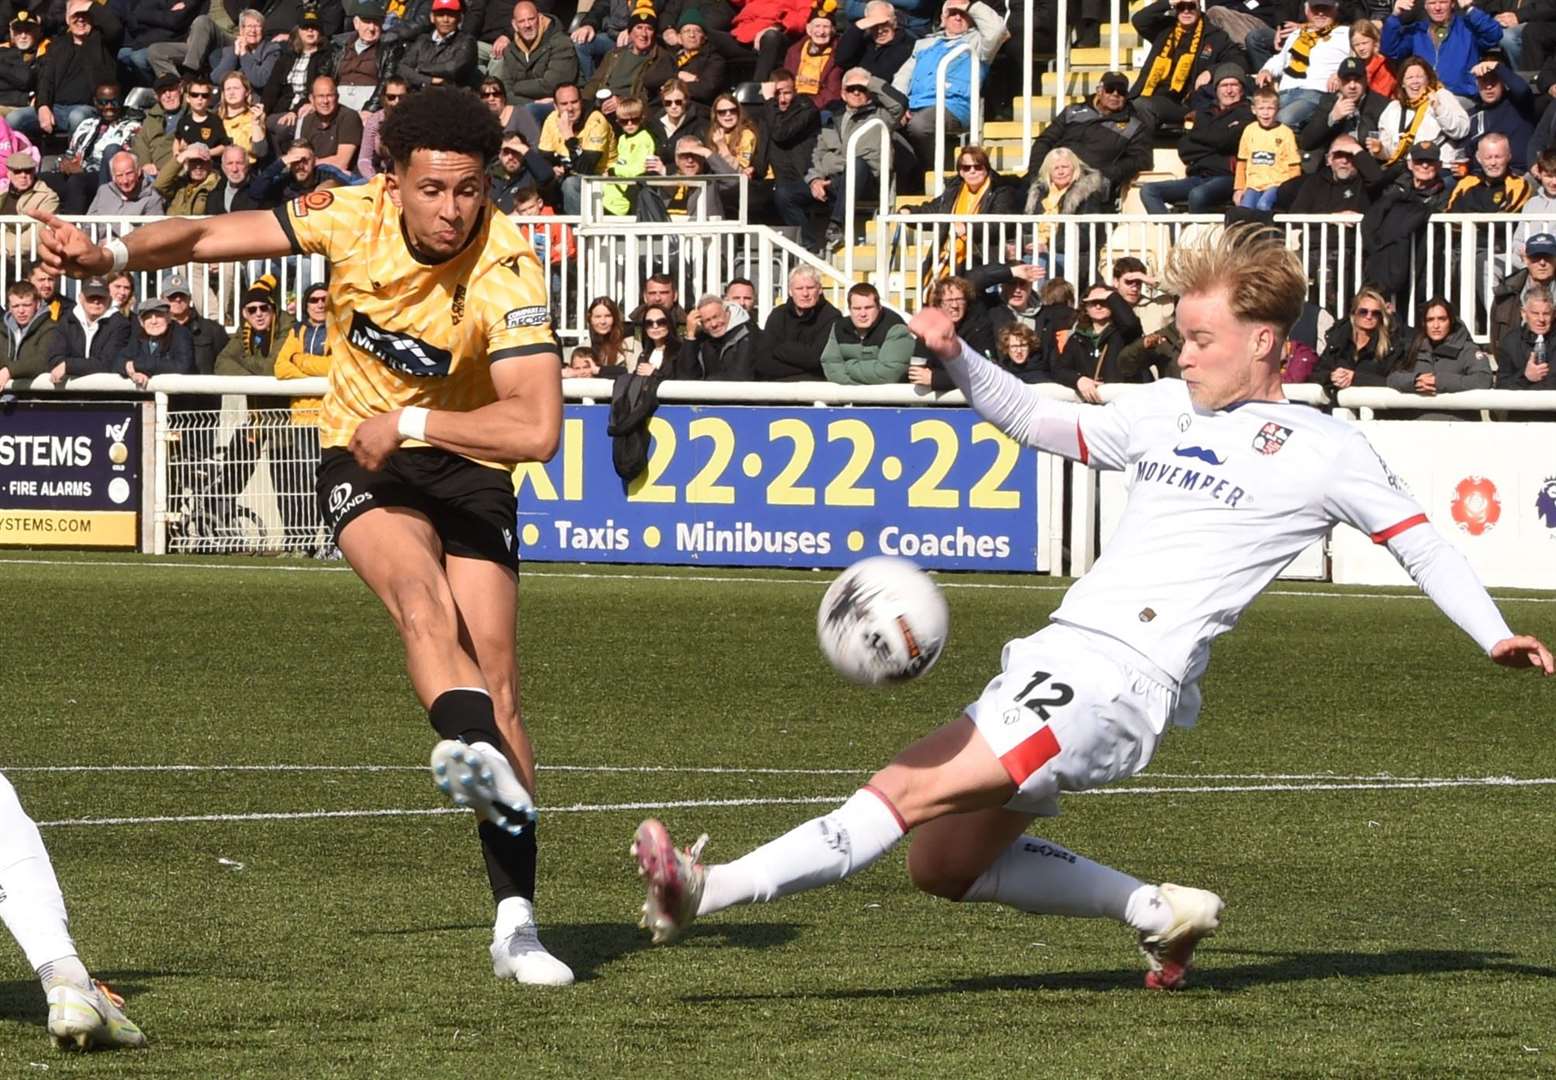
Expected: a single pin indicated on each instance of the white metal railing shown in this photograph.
(1027, 64)
(974, 95)
(617, 256)
(1461, 257)
(592, 194)
(850, 182)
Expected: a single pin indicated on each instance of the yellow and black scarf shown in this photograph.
(684, 58)
(1407, 137)
(1164, 62)
(1296, 67)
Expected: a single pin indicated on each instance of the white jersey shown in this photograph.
(1219, 503)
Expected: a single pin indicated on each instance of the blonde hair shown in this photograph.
(1263, 278)
(1368, 29)
(1381, 336)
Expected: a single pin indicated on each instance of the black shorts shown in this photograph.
(472, 507)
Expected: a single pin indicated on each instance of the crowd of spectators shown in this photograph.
(1382, 115)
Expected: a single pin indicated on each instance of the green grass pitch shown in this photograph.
(1376, 926)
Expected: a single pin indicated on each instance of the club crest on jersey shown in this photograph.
(314, 200)
(402, 352)
(1271, 438)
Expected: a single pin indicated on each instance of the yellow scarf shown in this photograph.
(1296, 67)
(682, 59)
(1180, 70)
(1407, 138)
(954, 254)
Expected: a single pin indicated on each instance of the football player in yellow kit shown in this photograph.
(445, 374)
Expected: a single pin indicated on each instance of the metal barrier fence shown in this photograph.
(1460, 257)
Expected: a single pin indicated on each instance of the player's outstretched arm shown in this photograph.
(246, 234)
(1000, 398)
(523, 424)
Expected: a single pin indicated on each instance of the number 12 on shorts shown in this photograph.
(1055, 695)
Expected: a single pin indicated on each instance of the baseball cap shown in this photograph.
(176, 285)
(25, 20)
(446, 5)
(311, 18)
(1425, 152)
(1114, 80)
(150, 304)
(370, 10)
(94, 286)
(20, 160)
(1352, 68)
(1540, 244)
(167, 82)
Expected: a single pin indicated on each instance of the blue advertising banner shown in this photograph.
(69, 474)
(735, 485)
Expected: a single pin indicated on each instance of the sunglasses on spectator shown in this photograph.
(674, 100)
(629, 119)
(1369, 312)
(320, 299)
(491, 93)
(393, 97)
(105, 101)
(727, 111)
(971, 166)
(857, 88)
(255, 309)
(656, 322)
(197, 93)
(1097, 301)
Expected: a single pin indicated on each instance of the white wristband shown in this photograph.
(413, 423)
(120, 253)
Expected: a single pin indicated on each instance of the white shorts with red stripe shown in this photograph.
(1069, 712)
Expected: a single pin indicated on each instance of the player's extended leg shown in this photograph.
(486, 597)
(986, 857)
(82, 1013)
(948, 771)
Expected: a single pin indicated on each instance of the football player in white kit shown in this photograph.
(1229, 483)
(83, 1014)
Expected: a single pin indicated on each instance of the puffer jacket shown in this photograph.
(881, 355)
(1457, 363)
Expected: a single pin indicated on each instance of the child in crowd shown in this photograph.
(1267, 155)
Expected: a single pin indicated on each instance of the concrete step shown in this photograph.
(1040, 108)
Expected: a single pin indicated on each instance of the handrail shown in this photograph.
(974, 125)
(883, 180)
(1061, 62)
(1381, 397)
(1113, 39)
(1027, 50)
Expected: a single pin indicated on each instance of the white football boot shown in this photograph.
(519, 955)
(1196, 914)
(480, 777)
(675, 879)
(90, 1019)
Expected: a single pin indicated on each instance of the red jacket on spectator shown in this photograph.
(1380, 76)
(755, 16)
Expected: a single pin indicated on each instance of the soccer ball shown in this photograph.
(882, 621)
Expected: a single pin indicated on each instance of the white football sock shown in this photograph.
(512, 913)
(1039, 876)
(30, 900)
(819, 852)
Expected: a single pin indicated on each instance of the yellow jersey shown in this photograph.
(406, 332)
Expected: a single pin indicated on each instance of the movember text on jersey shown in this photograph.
(402, 352)
(1201, 481)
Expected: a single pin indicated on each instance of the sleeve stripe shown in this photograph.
(286, 226)
(1394, 530)
(1080, 440)
(542, 348)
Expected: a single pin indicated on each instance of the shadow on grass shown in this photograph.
(589, 947)
(1269, 968)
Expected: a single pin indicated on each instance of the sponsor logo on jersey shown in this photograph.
(1545, 504)
(342, 502)
(402, 352)
(1207, 456)
(1271, 438)
(457, 308)
(526, 316)
(314, 200)
(1476, 506)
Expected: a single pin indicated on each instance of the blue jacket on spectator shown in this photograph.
(171, 354)
(1513, 115)
(1471, 32)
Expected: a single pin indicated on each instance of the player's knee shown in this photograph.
(421, 613)
(938, 872)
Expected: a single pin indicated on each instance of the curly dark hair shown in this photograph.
(442, 118)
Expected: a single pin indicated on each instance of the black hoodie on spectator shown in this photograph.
(70, 72)
(789, 347)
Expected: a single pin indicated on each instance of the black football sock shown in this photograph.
(466, 715)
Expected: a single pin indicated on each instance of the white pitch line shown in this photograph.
(797, 800)
(735, 770)
(717, 579)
